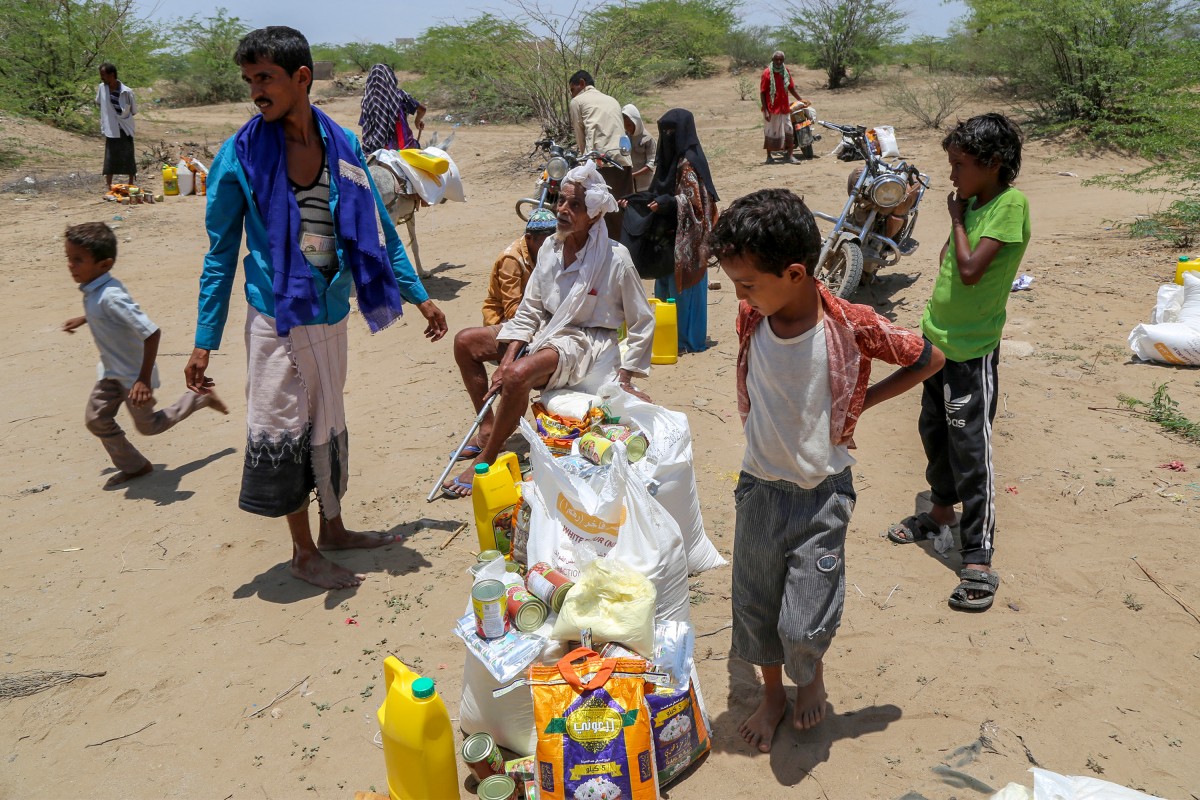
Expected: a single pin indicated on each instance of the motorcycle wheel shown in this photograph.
(525, 207)
(807, 151)
(842, 270)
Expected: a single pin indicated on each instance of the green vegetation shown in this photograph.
(847, 37)
(1178, 224)
(1165, 412)
(51, 51)
(203, 71)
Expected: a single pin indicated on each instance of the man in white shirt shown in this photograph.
(583, 288)
(599, 124)
(117, 108)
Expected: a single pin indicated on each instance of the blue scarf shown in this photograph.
(260, 148)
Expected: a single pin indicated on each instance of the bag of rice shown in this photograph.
(593, 729)
(680, 735)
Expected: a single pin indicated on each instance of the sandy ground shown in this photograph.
(1083, 666)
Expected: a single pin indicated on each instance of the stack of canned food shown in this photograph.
(499, 607)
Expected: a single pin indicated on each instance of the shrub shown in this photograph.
(932, 101)
(1178, 223)
(203, 72)
(848, 37)
(750, 47)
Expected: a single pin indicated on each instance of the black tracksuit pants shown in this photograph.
(957, 408)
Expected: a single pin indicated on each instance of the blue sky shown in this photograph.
(385, 20)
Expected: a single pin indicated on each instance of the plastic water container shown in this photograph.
(186, 178)
(1186, 264)
(494, 497)
(170, 179)
(418, 742)
(665, 349)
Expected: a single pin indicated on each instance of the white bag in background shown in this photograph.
(886, 134)
(1173, 336)
(668, 463)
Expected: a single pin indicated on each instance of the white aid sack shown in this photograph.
(1174, 335)
(508, 718)
(612, 513)
(668, 471)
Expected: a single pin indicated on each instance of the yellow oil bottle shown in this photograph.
(665, 349)
(418, 742)
(1186, 264)
(494, 496)
(170, 179)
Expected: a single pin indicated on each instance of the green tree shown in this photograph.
(202, 71)
(1078, 59)
(51, 50)
(847, 37)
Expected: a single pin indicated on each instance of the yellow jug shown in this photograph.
(665, 349)
(170, 180)
(1186, 265)
(418, 742)
(494, 497)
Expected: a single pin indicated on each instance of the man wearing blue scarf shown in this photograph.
(297, 184)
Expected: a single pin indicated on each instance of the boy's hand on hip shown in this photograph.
(436, 328)
(140, 394)
(193, 373)
(74, 323)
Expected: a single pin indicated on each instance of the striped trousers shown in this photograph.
(958, 405)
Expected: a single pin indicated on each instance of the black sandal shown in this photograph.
(974, 580)
(913, 529)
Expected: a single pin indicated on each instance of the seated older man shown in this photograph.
(583, 288)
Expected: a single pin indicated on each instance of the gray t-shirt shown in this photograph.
(317, 242)
(120, 329)
(787, 430)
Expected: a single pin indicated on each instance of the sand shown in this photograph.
(1084, 666)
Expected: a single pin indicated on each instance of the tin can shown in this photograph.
(489, 555)
(636, 442)
(489, 601)
(482, 755)
(521, 770)
(514, 567)
(497, 787)
(548, 585)
(526, 611)
(596, 448)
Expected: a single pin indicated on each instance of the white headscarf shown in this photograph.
(635, 116)
(596, 196)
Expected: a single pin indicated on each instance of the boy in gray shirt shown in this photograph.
(128, 344)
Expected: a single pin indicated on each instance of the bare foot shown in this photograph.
(811, 701)
(320, 571)
(124, 477)
(216, 403)
(334, 536)
(759, 729)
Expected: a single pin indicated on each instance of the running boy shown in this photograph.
(803, 368)
(965, 316)
(128, 344)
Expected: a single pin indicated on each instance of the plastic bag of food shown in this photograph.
(680, 730)
(593, 729)
(615, 602)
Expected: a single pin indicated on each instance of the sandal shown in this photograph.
(469, 451)
(450, 493)
(913, 529)
(974, 580)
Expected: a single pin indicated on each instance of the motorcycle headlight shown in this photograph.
(887, 191)
(557, 168)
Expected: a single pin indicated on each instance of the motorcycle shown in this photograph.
(559, 162)
(876, 225)
(803, 116)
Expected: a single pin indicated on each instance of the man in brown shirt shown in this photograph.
(511, 271)
(598, 124)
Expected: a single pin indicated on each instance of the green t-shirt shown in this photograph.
(965, 322)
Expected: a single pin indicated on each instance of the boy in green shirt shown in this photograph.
(964, 319)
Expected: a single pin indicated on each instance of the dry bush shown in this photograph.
(931, 101)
